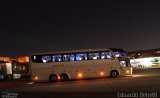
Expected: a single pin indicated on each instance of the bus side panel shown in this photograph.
(88, 69)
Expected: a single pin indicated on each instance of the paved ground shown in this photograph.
(143, 81)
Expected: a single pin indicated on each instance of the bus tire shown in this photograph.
(53, 78)
(64, 77)
(114, 73)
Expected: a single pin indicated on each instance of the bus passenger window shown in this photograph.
(46, 59)
(57, 58)
(72, 57)
(66, 57)
(106, 55)
(94, 56)
(82, 56)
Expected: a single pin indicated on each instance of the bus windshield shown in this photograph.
(119, 53)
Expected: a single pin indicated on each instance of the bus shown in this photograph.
(79, 64)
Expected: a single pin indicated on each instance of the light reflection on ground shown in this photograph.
(139, 75)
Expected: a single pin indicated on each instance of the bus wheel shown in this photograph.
(53, 78)
(114, 73)
(64, 77)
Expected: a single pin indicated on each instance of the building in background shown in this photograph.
(145, 58)
(17, 67)
(5, 71)
(6, 59)
(21, 66)
(23, 59)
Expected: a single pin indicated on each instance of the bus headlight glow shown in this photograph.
(36, 78)
(80, 75)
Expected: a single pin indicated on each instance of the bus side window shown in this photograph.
(82, 56)
(56, 58)
(94, 56)
(106, 55)
(72, 57)
(46, 59)
(36, 58)
(66, 57)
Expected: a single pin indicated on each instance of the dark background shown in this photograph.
(31, 27)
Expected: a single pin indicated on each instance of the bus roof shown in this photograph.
(116, 49)
(73, 51)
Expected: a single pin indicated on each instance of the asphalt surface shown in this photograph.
(142, 81)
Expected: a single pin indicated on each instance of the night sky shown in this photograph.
(31, 27)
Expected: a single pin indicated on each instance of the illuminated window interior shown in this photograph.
(94, 56)
(82, 56)
(46, 59)
(57, 58)
(106, 55)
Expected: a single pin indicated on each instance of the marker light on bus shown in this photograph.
(59, 77)
(102, 73)
(80, 75)
(127, 71)
(36, 78)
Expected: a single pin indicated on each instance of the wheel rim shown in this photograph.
(114, 74)
(53, 78)
(64, 77)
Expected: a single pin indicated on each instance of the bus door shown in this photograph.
(126, 66)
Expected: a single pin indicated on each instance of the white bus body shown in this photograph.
(92, 67)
